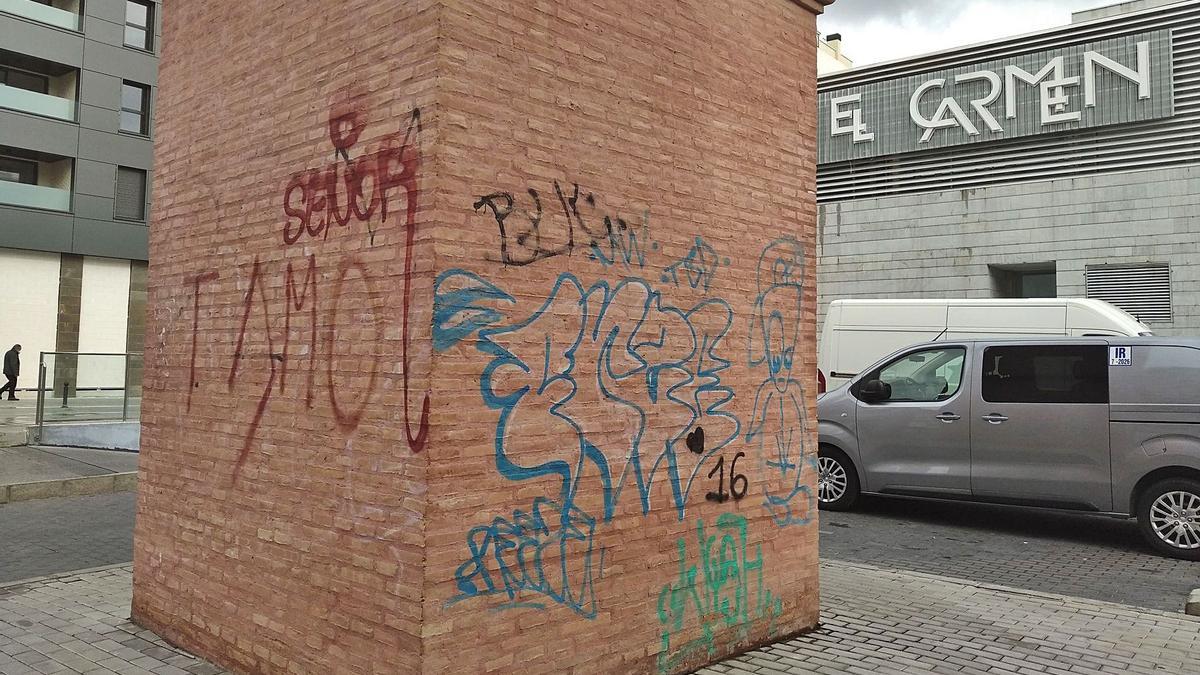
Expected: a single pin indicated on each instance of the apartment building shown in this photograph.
(77, 82)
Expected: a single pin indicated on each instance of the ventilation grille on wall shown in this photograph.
(1149, 145)
(1144, 292)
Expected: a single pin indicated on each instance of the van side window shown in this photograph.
(1046, 374)
(924, 377)
(1162, 375)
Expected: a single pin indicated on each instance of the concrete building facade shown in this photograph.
(481, 336)
(830, 58)
(1062, 163)
(77, 82)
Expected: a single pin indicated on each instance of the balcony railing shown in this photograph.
(34, 196)
(38, 104)
(41, 13)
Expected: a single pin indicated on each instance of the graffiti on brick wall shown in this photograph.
(780, 412)
(293, 315)
(720, 590)
(552, 225)
(545, 555)
(313, 204)
(661, 362)
(352, 189)
(697, 269)
(635, 370)
(738, 483)
(579, 364)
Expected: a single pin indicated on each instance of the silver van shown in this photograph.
(1104, 425)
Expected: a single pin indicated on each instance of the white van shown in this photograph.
(857, 333)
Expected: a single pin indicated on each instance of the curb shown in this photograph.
(1194, 601)
(10, 585)
(13, 436)
(70, 487)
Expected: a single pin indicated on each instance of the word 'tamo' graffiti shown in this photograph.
(721, 591)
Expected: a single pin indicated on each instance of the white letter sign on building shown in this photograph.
(839, 115)
(1114, 81)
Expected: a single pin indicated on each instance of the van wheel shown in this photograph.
(837, 482)
(1169, 517)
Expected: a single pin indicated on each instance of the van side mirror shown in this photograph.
(875, 391)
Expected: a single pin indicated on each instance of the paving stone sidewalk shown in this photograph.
(79, 623)
(886, 621)
(874, 621)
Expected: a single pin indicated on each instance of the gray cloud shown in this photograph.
(934, 13)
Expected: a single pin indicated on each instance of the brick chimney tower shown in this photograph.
(481, 335)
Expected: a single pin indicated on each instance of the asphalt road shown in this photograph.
(49, 536)
(1047, 551)
(1069, 554)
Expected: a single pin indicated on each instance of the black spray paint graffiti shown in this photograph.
(537, 234)
(738, 483)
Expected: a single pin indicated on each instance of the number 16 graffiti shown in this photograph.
(735, 479)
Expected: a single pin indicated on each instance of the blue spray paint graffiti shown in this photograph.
(626, 245)
(780, 414)
(460, 312)
(630, 349)
(722, 590)
(637, 384)
(544, 555)
(697, 269)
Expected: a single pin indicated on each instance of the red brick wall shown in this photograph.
(280, 509)
(690, 126)
(604, 286)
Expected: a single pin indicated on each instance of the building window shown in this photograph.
(135, 108)
(24, 80)
(1142, 290)
(131, 194)
(1025, 281)
(18, 171)
(139, 24)
(1046, 374)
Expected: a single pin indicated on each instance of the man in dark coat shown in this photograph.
(12, 369)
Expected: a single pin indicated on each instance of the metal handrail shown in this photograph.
(96, 353)
(43, 370)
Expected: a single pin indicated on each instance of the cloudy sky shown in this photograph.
(882, 30)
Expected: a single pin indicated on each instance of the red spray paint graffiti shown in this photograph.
(237, 357)
(313, 204)
(351, 190)
(200, 279)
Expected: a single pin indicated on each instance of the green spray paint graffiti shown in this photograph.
(724, 588)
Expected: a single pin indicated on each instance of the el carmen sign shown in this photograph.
(1114, 81)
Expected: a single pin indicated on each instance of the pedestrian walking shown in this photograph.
(12, 369)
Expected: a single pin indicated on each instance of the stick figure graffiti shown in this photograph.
(780, 416)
